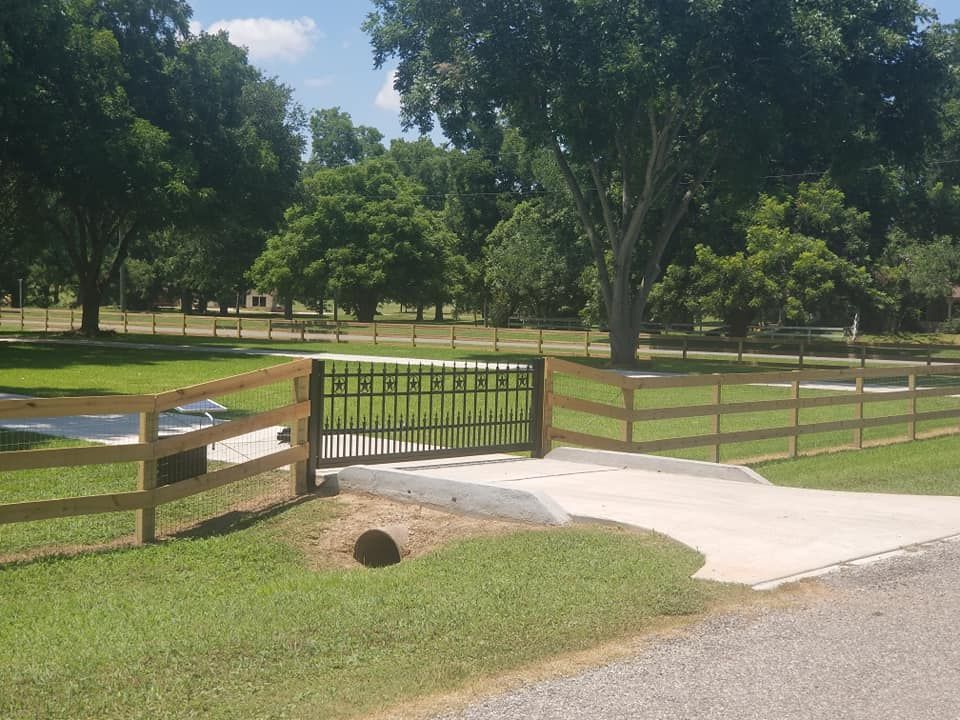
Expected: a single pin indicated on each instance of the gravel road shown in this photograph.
(882, 641)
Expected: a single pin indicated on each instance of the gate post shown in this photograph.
(315, 423)
(537, 409)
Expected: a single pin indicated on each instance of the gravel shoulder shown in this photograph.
(876, 641)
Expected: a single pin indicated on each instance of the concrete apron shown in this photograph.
(749, 531)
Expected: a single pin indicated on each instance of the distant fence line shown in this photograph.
(585, 343)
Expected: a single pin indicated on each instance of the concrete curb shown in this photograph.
(470, 498)
(655, 463)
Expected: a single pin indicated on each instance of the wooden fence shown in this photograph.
(150, 448)
(585, 343)
(662, 393)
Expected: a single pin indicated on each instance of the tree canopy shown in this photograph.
(642, 103)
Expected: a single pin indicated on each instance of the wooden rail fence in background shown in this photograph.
(150, 448)
(629, 388)
(580, 343)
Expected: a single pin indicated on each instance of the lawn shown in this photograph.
(925, 467)
(236, 625)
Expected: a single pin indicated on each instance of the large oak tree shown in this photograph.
(643, 102)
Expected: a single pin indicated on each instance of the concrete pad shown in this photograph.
(749, 533)
(468, 497)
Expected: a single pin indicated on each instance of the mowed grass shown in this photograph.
(925, 467)
(237, 626)
(51, 370)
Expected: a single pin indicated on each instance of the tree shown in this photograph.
(360, 234)
(337, 141)
(523, 269)
(98, 97)
(796, 275)
(640, 103)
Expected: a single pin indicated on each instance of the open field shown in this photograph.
(243, 625)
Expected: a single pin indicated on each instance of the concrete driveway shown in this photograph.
(749, 531)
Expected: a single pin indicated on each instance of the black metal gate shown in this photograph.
(384, 412)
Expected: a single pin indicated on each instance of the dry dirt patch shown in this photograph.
(328, 542)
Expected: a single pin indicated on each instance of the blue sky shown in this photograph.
(317, 48)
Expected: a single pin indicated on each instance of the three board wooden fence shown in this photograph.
(626, 392)
(151, 449)
(580, 343)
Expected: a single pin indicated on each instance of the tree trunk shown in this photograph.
(420, 313)
(623, 338)
(288, 308)
(90, 301)
(366, 308)
(438, 312)
(224, 306)
(186, 302)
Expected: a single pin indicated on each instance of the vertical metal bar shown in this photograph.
(537, 407)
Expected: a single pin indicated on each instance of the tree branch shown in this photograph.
(582, 208)
(605, 206)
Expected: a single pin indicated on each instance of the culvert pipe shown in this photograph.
(382, 546)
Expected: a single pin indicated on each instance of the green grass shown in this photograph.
(925, 467)
(236, 626)
(48, 370)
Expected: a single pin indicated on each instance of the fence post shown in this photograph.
(21, 317)
(929, 356)
(315, 423)
(374, 332)
(184, 324)
(146, 518)
(214, 327)
(336, 331)
(71, 320)
(239, 328)
(717, 398)
(538, 409)
(628, 423)
(546, 443)
(912, 425)
(299, 435)
(863, 356)
(858, 415)
(586, 343)
(124, 322)
(540, 343)
(270, 328)
(153, 323)
(46, 320)
(496, 340)
(794, 419)
(413, 335)
(303, 331)
(684, 348)
(800, 357)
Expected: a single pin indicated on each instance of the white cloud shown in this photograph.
(195, 27)
(320, 82)
(267, 38)
(388, 98)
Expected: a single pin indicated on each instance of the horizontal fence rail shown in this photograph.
(151, 448)
(583, 343)
(639, 427)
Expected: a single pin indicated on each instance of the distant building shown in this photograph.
(262, 301)
(951, 299)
